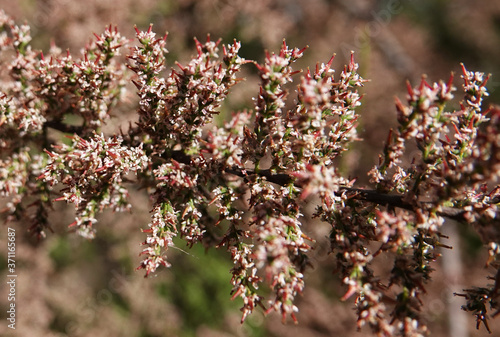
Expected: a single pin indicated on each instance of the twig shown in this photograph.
(373, 196)
(60, 126)
(398, 201)
(277, 178)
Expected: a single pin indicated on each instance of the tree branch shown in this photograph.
(373, 196)
(60, 126)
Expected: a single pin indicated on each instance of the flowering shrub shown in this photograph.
(253, 175)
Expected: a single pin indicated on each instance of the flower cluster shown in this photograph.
(93, 171)
(245, 185)
(270, 127)
(87, 88)
(174, 109)
(21, 116)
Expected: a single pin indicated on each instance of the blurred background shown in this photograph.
(68, 286)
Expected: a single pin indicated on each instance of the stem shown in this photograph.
(373, 196)
(60, 126)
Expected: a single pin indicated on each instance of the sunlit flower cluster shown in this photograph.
(93, 171)
(13, 173)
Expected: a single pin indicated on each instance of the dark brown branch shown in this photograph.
(397, 201)
(60, 126)
(373, 196)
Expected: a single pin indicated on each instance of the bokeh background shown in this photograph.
(68, 286)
